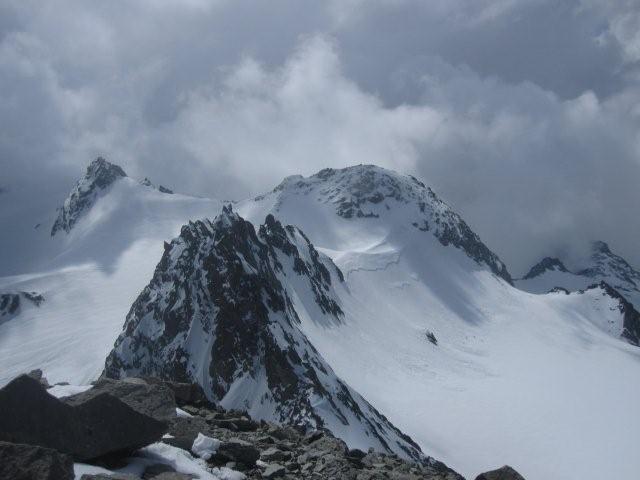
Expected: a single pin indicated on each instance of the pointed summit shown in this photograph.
(544, 265)
(599, 265)
(99, 176)
(223, 309)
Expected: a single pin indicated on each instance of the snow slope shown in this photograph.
(533, 380)
(89, 277)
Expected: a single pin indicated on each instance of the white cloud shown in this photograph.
(221, 99)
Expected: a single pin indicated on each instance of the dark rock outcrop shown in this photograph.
(631, 316)
(99, 176)
(184, 393)
(39, 376)
(544, 265)
(502, 473)
(98, 426)
(12, 302)
(31, 462)
(292, 454)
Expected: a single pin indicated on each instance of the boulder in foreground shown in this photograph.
(30, 462)
(155, 400)
(98, 426)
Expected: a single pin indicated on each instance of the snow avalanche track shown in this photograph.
(535, 381)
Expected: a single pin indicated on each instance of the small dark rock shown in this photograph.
(502, 473)
(240, 451)
(99, 426)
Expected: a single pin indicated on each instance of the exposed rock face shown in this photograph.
(370, 192)
(544, 265)
(219, 312)
(11, 303)
(287, 452)
(613, 269)
(631, 317)
(503, 473)
(147, 183)
(100, 425)
(604, 270)
(30, 462)
(100, 175)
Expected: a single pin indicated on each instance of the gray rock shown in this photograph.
(154, 400)
(274, 471)
(274, 455)
(184, 393)
(100, 425)
(240, 451)
(37, 375)
(108, 476)
(30, 462)
(502, 473)
(174, 476)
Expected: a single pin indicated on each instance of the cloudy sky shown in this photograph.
(523, 114)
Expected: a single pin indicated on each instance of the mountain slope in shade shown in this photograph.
(600, 265)
(218, 311)
(99, 177)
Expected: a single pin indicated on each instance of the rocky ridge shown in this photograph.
(220, 312)
(545, 265)
(100, 175)
(601, 270)
(600, 265)
(630, 316)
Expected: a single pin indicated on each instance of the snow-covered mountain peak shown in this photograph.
(385, 201)
(545, 265)
(223, 309)
(100, 175)
(600, 264)
(604, 263)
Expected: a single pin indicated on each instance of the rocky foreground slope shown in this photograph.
(169, 431)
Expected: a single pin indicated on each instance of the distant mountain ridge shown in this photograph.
(100, 175)
(600, 265)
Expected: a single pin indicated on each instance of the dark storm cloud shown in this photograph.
(524, 115)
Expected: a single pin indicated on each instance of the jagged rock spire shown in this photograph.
(99, 176)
